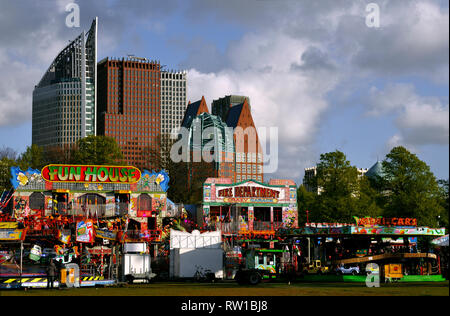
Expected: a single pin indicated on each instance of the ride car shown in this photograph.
(348, 270)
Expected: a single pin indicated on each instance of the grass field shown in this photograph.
(232, 289)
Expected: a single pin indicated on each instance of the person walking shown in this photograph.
(51, 274)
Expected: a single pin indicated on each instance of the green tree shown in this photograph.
(305, 202)
(178, 190)
(7, 160)
(32, 158)
(444, 201)
(368, 201)
(58, 154)
(5, 173)
(412, 189)
(97, 150)
(337, 181)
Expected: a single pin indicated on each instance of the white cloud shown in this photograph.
(15, 99)
(420, 120)
(289, 98)
(293, 54)
(413, 40)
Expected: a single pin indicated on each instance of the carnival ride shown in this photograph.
(316, 267)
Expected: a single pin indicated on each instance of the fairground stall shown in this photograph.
(80, 214)
(248, 214)
(331, 251)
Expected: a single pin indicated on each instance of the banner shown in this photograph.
(161, 178)
(98, 250)
(85, 231)
(105, 234)
(400, 231)
(23, 178)
(9, 225)
(12, 234)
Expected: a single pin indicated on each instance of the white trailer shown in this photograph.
(137, 267)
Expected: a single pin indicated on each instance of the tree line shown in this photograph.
(92, 150)
(101, 150)
(404, 187)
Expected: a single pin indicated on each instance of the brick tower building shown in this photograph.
(129, 108)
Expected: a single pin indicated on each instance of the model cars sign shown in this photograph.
(384, 221)
(91, 174)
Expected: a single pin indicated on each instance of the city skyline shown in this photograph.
(340, 85)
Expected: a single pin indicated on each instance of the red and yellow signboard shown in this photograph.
(91, 174)
(12, 234)
(383, 221)
(249, 192)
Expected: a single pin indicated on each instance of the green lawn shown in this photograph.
(232, 289)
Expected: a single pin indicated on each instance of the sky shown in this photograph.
(313, 69)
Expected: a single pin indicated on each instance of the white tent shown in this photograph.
(190, 252)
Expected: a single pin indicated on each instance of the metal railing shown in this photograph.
(99, 210)
(149, 234)
(259, 226)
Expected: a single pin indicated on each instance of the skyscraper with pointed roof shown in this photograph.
(65, 99)
(210, 143)
(235, 117)
(249, 154)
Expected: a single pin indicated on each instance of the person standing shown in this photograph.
(51, 273)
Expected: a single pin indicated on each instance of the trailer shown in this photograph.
(136, 263)
(137, 267)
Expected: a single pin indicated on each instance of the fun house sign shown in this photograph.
(91, 174)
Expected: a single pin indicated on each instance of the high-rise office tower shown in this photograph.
(173, 106)
(65, 99)
(129, 108)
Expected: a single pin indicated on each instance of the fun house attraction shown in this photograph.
(79, 214)
(104, 225)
